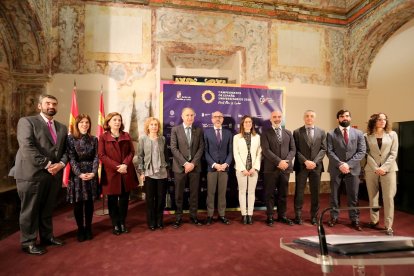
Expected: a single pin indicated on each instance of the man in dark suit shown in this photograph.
(310, 144)
(346, 148)
(218, 152)
(187, 146)
(38, 173)
(278, 149)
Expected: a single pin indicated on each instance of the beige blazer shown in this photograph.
(240, 152)
(384, 158)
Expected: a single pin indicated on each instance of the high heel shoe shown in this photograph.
(250, 220)
(244, 219)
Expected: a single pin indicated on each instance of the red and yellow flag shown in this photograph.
(73, 114)
(99, 129)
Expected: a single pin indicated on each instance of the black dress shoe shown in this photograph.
(34, 250)
(80, 235)
(298, 220)
(285, 220)
(244, 219)
(250, 220)
(177, 224)
(269, 221)
(116, 231)
(373, 225)
(160, 226)
(53, 241)
(124, 229)
(88, 234)
(152, 228)
(332, 222)
(314, 221)
(195, 221)
(356, 226)
(224, 220)
(209, 220)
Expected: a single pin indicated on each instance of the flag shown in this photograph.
(99, 129)
(73, 114)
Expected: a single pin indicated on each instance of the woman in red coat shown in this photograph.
(115, 150)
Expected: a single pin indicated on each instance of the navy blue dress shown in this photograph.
(83, 158)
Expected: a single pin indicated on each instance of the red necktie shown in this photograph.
(346, 136)
(52, 132)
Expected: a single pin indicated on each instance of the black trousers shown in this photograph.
(118, 207)
(194, 182)
(314, 187)
(155, 198)
(38, 199)
(276, 180)
(83, 211)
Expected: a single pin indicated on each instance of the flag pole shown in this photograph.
(99, 131)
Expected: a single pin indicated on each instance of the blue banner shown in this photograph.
(234, 102)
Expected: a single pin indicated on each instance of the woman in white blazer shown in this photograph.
(381, 167)
(247, 157)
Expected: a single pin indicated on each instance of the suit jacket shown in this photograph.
(384, 158)
(218, 153)
(315, 152)
(181, 150)
(240, 152)
(339, 152)
(112, 154)
(145, 153)
(37, 148)
(270, 147)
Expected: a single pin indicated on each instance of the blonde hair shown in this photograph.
(148, 122)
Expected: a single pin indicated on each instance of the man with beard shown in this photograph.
(38, 173)
(345, 147)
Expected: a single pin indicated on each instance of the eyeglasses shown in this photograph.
(217, 117)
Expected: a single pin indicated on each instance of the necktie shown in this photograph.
(346, 136)
(188, 134)
(218, 136)
(278, 135)
(309, 134)
(52, 132)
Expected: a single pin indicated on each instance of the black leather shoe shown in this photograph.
(80, 235)
(177, 224)
(152, 228)
(224, 220)
(88, 234)
(332, 222)
(314, 221)
(250, 220)
(269, 221)
(53, 241)
(285, 220)
(209, 220)
(34, 250)
(298, 220)
(160, 226)
(244, 219)
(116, 231)
(124, 229)
(373, 225)
(195, 221)
(356, 226)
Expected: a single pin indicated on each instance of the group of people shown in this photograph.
(45, 149)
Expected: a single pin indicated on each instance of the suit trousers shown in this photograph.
(38, 199)
(388, 184)
(155, 198)
(216, 181)
(194, 182)
(118, 207)
(314, 187)
(276, 180)
(247, 184)
(352, 187)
